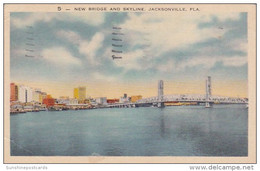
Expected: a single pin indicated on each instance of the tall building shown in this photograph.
(36, 95)
(13, 92)
(80, 93)
(22, 94)
(42, 96)
(76, 93)
(25, 94)
(29, 94)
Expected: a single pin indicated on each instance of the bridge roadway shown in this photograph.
(183, 98)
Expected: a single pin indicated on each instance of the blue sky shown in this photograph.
(76, 47)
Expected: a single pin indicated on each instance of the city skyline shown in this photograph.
(181, 49)
(150, 90)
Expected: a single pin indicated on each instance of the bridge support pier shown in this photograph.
(160, 105)
(160, 94)
(208, 92)
(208, 105)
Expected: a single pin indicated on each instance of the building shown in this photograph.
(29, 94)
(101, 101)
(62, 101)
(13, 92)
(80, 93)
(64, 97)
(136, 98)
(25, 94)
(21, 94)
(36, 96)
(49, 101)
(93, 102)
(124, 99)
(42, 96)
(76, 93)
(111, 101)
(73, 101)
(67, 101)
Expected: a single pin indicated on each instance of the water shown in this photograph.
(171, 131)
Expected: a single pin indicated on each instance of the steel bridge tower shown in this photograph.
(208, 92)
(160, 94)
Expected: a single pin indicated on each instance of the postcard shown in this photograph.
(130, 83)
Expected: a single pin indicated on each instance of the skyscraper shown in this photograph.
(21, 94)
(76, 93)
(13, 92)
(25, 94)
(80, 93)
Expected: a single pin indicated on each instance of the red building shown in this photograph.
(48, 101)
(112, 101)
(13, 92)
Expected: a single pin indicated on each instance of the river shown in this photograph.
(146, 131)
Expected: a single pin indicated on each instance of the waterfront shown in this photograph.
(148, 131)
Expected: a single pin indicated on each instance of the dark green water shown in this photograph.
(171, 131)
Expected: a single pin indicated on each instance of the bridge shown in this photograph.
(208, 99)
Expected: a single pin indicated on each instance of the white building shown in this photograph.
(25, 94)
(124, 99)
(67, 101)
(21, 93)
(73, 101)
(101, 100)
(29, 94)
(36, 95)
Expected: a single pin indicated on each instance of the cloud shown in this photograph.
(31, 19)
(59, 56)
(209, 62)
(101, 77)
(70, 36)
(238, 44)
(236, 61)
(90, 18)
(17, 52)
(156, 35)
(130, 60)
(94, 19)
(220, 16)
(167, 67)
(90, 48)
(152, 36)
(172, 30)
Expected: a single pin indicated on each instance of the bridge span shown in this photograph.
(208, 99)
(183, 98)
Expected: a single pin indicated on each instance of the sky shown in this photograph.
(75, 49)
